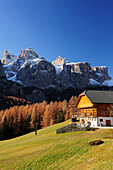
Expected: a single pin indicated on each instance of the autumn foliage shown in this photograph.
(19, 120)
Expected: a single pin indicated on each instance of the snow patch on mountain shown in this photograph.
(13, 78)
(72, 63)
(93, 82)
(99, 74)
(108, 83)
(32, 63)
(29, 49)
(59, 69)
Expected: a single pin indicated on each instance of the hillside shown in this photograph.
(9, 101)
(65, 151)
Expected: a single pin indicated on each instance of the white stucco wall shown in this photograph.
(92, 120)
(104, 120)
(96, 121)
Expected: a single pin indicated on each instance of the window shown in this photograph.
(101, 120)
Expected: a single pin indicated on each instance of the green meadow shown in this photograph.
(49, 150)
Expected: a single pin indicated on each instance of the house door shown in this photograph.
(108, 122)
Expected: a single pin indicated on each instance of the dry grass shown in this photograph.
(48, 150)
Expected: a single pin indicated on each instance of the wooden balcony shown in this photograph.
(89, 112)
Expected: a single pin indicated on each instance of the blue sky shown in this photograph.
(79, 30)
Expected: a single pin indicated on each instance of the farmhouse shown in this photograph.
(96, 107)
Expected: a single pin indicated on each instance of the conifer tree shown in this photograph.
(71, 107)
(26, 127)
(5, 129)
(60, 116)
(46, 117)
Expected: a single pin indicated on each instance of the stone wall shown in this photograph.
(71, 128)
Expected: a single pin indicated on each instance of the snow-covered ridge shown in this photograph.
(99, 74)
(101, 66)
(29, 49)
(75, 63)
(31, 62)
(93, 82)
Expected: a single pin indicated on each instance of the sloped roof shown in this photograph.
(99, 96)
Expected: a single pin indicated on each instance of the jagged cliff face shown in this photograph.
(100, 74)
(36, 76)
(81, 68)
(82, 74)
(29, 69)
(13, 64)
(100, 70)
(39, 74)
(10, 88)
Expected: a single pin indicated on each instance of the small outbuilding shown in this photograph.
(96, 107)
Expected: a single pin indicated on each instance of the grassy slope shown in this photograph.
(64, 151)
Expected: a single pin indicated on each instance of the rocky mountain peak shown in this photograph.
(59, 61)
(28, 54)
(8, 57)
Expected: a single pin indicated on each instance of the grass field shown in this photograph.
(48, 150)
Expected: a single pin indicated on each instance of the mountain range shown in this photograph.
(34, 78)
